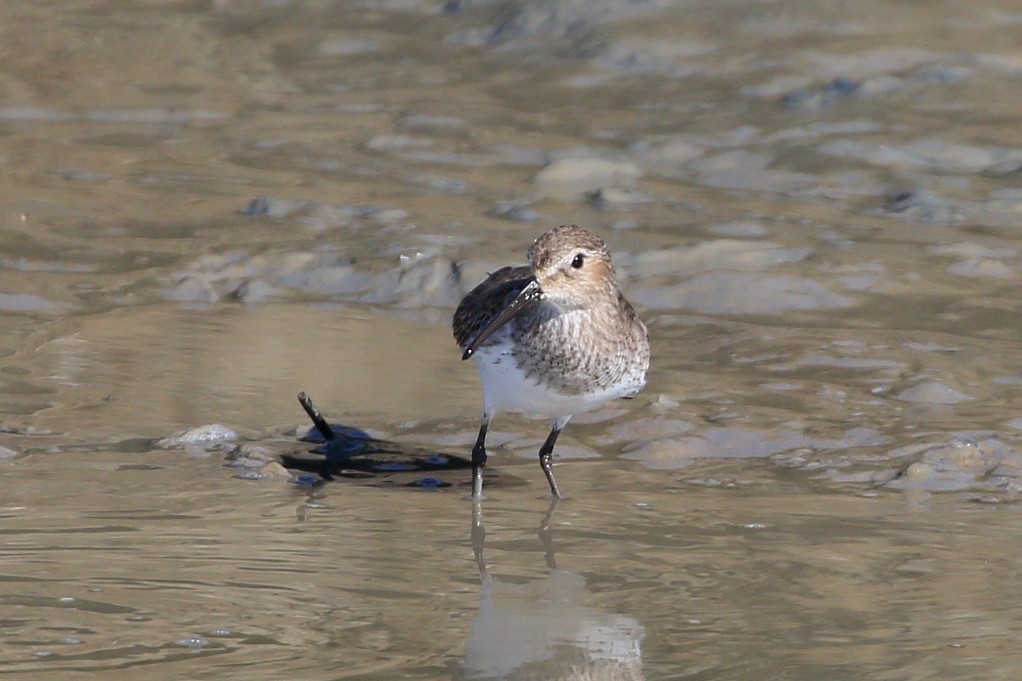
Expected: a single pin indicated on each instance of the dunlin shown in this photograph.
(555, 338)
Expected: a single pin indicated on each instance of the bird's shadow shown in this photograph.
(349, 453)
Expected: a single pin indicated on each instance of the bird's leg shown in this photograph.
(479, 458)
(546, 454)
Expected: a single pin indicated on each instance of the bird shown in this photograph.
(555, 338)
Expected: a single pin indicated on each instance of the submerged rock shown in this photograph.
(956, 465)
(932, 392)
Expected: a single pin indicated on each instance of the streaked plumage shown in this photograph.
(555, 338)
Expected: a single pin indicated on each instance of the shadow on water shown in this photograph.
(541, 629)
(353, 454)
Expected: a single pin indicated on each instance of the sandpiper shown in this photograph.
(555, 338)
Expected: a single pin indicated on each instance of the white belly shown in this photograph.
(506, 388)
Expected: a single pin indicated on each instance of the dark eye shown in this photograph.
(578, 261)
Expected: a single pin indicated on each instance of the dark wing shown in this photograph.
(485, 302)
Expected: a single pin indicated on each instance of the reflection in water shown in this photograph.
(542, 629)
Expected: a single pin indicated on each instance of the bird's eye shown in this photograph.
(578, 261)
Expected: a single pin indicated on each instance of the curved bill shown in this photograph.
(528, 297)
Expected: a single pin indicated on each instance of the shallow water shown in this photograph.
(208, 207)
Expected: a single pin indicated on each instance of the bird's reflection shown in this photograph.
(543, 629)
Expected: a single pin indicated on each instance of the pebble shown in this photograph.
(194, 641)
(932, 392)
(962, 463)
(209, 434)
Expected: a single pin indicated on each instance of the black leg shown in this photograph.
(546, 456)
(479, 459)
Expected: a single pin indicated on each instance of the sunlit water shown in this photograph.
(207, 208)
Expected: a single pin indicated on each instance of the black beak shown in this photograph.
(529, 296)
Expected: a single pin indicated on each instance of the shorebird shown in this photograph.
(555, 338)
